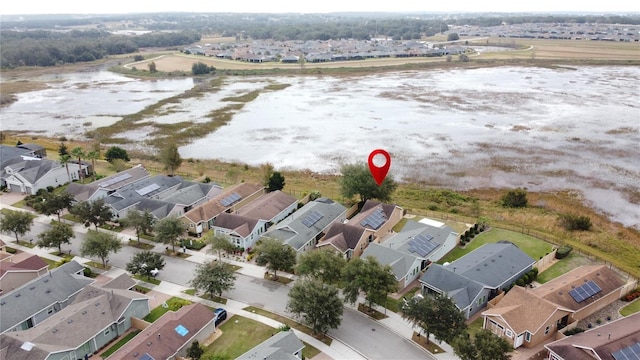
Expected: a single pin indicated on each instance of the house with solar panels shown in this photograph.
(616, 340)
(479, 276)
(201, 218)
(302, 229)
(426, 239)
(371, 224)
(99, 189)
(161, 195)
(528, 317)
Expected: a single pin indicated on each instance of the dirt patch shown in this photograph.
(216, 334)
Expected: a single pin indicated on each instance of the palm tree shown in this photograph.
(64, 160)
(79, 153)
(93, 156)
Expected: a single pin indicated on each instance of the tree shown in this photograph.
(267, 171)
(52, 203)
(168, 230)
(438, 316)
(57, 235)
(370, 277)
(17, 222)
(145, 263)
(64, 160)
(62, 149)
(275, 256)
(322, 264)
(201, 68)
(171, 159)
(485, 346)
(219, 243)
(141, 222)
(93, 156)
(152, 67)
(357, 180)
(317, 304)
(78, 152)
(276, 182)
(115, 152)
(100, 244)
(453, 37)
(214, 277)
(516, 198)
(195, 351)
(92, 212)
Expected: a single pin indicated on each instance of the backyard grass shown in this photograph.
(533, 247)
(173, 304)
(395, 305)
(292, 323)
(239, 335)
(562, 266)
(119, 344)
(475, 326)
(632, 308)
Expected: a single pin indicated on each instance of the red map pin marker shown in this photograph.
(379, 173)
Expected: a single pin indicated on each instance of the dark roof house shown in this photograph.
(284, 345)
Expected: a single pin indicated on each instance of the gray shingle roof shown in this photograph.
(297, 234)
(280, 346)
(37, 295)
(461, 289)
(401, 263)
(267, 206)
(400, 241)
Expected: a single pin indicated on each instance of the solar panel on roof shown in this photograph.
(230, 199)
(629, 353)
(312, 218)
(585, 291)
(148, 189)
(422, 244)
(374, 220)
(115, 180)
(146, 357)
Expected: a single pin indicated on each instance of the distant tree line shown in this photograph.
(49, 48)
(546, 19)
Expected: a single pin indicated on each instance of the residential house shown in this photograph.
(39, 299)
(170, 336)
(161, 195)
(474, 279)
(617, 340)
(36, 150)
(241, 231)
(405, 267)
(17, 270)
(272, 207)
(96, 317)
(201, 218)
(302, 229)
(99, 189)
(374, 221)
(32, 174)
(528, 317)
(284, 345)
(10, 155)
(428, 240)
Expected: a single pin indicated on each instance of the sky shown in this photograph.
(324, 6)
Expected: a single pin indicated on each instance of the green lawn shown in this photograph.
(173, 304)
(293, 324)
(239, 335)
(632, 308)
(120, 343)
(475, 326)
(562, 266)
(531, 246)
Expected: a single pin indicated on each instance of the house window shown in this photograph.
(107, 331)
(50, 310)
(546, 331)
(508, 333)
(527, 336)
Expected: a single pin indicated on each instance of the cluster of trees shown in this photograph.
(439, 316)
(516, 198)
(357, 180)
(49, 48)
(201, 68)
(575, 222)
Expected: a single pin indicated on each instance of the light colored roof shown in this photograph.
(82, 192)
(601, 341)
(267, 206)
(400, 263)
(400, 241)
(292, 230)
(280, 346)
(58, 285)
(369, 207)
(191, 317)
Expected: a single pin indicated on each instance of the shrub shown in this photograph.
(573, 331)
(87, 272)
(574, 222)
(563, 252)
(520, 282)
(516, 198)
